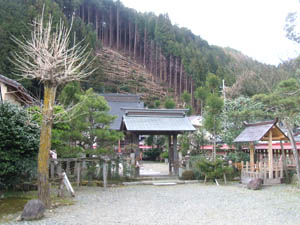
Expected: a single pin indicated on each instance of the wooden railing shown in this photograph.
(97, 168)
(261, 170)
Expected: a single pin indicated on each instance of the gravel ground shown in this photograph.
(150, 168)
(180, 204)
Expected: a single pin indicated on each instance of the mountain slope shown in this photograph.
(124, 75)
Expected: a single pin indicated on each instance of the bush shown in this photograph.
(188, 175)
(212, 170)
(19, 140)
(164, 155)
(237, 156)
(151, 154)
(169, 103)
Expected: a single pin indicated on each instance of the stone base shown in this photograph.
(272, 181)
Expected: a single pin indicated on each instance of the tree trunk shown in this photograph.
(170, 73)
(156, 62)
(192, 90)
(110, 27)
(89, 14)
(82, 14)
(97, 25)
(151, 58)
(45, 145)
(125, 39)
(135, 40)
(283, 159)
(160, 66)
(129, 39)
(294, 147)
(214, 146)
(141, 49)
(175, 76)
(180, 80)
(145, 45)
(165, 69)
(186, 82)
(118, 26)
(102, 29)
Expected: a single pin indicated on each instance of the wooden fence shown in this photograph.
(261, 170)
(99, 168)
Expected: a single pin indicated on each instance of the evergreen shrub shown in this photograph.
(19, 141)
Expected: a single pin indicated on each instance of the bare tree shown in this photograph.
(47, 56)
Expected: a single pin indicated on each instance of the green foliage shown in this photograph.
(151, 154)
(213, 82)
(186, 98)
(184, 143)
(213, 169)
(92, 125)
(214, 106)
(169, 103)
(19, 140)
(190, 110)
(198, 140)
(201, 93)
(70, 94)
(237, 156)
(165, 155)
(60, 129)
(238, 110)
(156, 104)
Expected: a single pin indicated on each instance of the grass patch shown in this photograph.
(12, 204)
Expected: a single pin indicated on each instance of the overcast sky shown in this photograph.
(254, 27)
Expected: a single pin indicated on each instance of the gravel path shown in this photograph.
(180, 204)
(154, 168)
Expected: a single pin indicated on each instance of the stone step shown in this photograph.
(161, 182)
(156, 177)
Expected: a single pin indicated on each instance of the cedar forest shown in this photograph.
(176, 59)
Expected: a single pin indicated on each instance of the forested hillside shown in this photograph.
(175, 58)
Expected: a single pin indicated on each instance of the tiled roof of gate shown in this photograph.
(156, 120)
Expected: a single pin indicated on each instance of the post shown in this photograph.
(137, 154)
(104, 174)
(281, 169)
(283, 159)
(252, 156)
(109, 170)
(78, 173)
(132, 164)
(117, 167)
(124, 163)
(52, 169)
(265, 170)
(68, 172)
(170, 154)
(175, 152)
(59, 168)
(260, 166)
(179, 161)
(270, 155)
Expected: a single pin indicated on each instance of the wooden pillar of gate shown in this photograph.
(270, 155)
(175, 155)
(252, 156)
(170, 154)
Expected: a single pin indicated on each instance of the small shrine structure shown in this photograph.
(270, 171)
